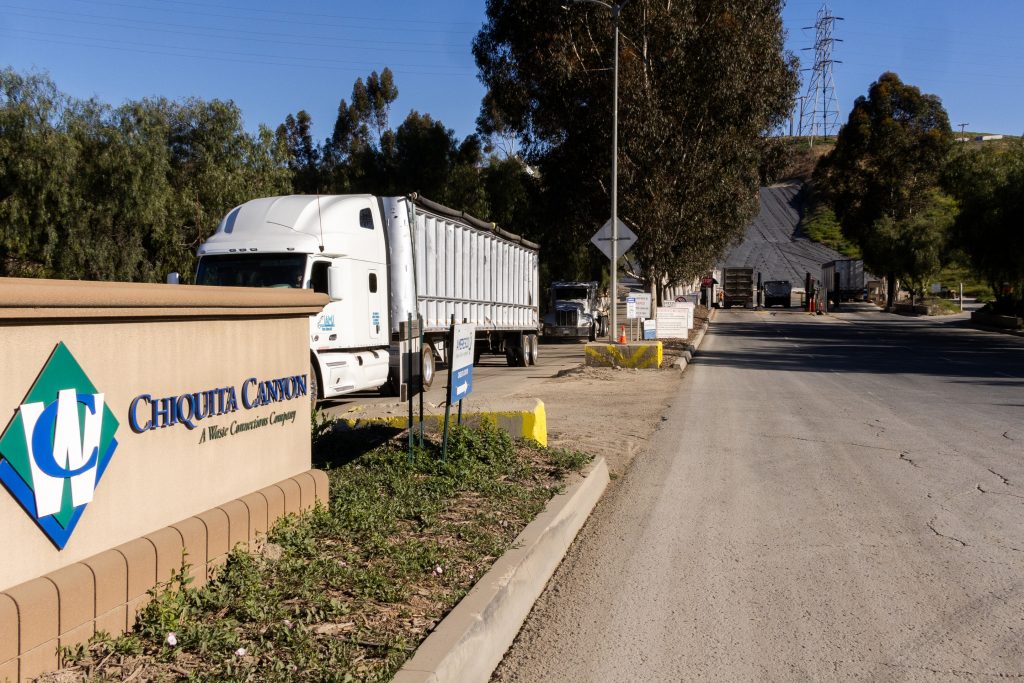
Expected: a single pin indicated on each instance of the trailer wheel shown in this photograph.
(532, 348)
(515, 357)
(428, 367)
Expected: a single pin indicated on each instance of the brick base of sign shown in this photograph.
(106, 592)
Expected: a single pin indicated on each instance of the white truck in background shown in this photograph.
(845, 279)
(575, 312)
(380, 260)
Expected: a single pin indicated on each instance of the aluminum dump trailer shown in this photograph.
(852, 279)
(466, 268)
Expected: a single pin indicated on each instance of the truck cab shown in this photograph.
(331, 244)
(575, 311)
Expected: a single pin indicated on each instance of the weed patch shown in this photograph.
(349, 590)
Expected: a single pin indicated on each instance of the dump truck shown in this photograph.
(778, 293)
(382, 260)
(738, 287)
(852, 282)
(575, 312)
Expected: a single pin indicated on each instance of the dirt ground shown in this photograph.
(611, 412)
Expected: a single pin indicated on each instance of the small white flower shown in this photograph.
(172, 639)
(240, 652)
(287, 623)
(438, 571)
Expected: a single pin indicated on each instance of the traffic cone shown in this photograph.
(622, 334)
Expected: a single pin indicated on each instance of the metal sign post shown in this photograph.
(613, 235)
(410, 344)
(460, 372)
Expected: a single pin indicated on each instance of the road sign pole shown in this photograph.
(615, 177)
(448, 400)
(409, 346)
(420, 353)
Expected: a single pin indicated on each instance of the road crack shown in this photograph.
(931, 525)
(1006, 482)
(829, 443)
(998, 493)
(904, 457)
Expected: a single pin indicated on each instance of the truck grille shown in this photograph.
(567, 318)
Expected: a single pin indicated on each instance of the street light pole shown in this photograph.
(615, 10)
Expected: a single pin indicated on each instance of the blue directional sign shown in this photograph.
(461, 363)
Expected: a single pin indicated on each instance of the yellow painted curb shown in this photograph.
(646, 355)
(530, 423)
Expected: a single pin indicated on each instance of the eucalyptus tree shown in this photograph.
(701, 83)
(884, 172)
(989, 185)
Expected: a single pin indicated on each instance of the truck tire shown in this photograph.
(389, 388)
(515, 357)
(593, 332)
(533, 347)
(428, 367)
(314, 384)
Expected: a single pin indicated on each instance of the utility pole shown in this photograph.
(822, 116)
(615, 10)
(962, 127)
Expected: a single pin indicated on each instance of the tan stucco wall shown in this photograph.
(164, 341)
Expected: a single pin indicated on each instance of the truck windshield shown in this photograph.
(564, 293)
(252, 270)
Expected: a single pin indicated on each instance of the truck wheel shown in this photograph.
(389, 388)
(532, 349)
(515, 357)
(428, 367)
(593, 332)
(314, 384)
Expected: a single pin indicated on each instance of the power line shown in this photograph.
(820, 107)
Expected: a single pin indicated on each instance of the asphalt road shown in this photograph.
(829, 497)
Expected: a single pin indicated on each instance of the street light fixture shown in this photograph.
(615, 10)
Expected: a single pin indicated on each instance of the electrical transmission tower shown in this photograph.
(819, 108)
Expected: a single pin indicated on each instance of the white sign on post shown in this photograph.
(630, 307)
(602, 239)
(643, 304)
(461, 384)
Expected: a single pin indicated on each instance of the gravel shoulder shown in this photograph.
(610, 412)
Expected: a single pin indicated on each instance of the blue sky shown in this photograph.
(276, 58)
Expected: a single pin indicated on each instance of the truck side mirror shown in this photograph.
(337, 280)
(173, 278)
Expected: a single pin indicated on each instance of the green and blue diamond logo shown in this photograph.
(56, 449)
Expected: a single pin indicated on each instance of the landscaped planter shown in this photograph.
(1009, 322)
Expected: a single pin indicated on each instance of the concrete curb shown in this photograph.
(691, 349)
(639, 355)
(470, 642)
(526, 420)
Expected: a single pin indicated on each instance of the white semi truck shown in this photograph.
(381, 260)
